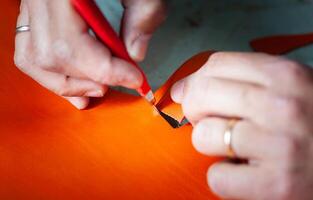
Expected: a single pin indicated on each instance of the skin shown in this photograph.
(66, 59)
(273, 97)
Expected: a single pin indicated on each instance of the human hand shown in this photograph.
(273, 97)
(61, 55)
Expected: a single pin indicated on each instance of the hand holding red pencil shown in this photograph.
(93, 16)
(59, 53)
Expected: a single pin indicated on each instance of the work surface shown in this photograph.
(196, 25)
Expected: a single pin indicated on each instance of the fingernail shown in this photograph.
(97, 93)
(139, 47)
(177, 91)
(213, 177)
(79, 103)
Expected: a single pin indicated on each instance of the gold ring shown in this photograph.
(228, 134)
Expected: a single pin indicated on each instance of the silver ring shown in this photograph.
(22, 29)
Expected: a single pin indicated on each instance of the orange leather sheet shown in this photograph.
(118, 149)
(281, 44)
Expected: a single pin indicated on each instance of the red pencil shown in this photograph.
(93, 16)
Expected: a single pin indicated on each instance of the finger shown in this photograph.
(96, 62)
(243, 67)
(246, 67)
(39, 24)
(76, 91)
(68, 86)
(64, 85)
(210, 96)
(230, 181)
(23, 18)
(22, 40)
(256, 68)
(248, 141)
(141, 19)
(79, 102)
(177, 91)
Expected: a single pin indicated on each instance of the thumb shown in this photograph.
(141, 19)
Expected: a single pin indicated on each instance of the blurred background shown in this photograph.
(224, 25)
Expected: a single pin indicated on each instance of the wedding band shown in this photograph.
(228, 134)
(22, 29)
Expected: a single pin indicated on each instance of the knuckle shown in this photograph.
(105, 74)
(292, 109)
(291, 146)
(54, 56)
(62, 51)
(62, 88)
(155, 8)
(62, 92)
(245, 94)
(20, 62)
(292, 70)
(284, 186)
(215, 58)
(42, 56)
(218, 55)
(43, 60)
